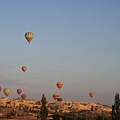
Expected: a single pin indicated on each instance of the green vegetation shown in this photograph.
(115, 108)
(8, 116)
(56, 116)
(43, 109)
(12, 113)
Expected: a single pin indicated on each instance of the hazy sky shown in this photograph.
(76, 42)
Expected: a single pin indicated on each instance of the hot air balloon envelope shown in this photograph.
(19, 91)
(59, 85)
(6, 91)
(59, 99)
(23, 96)
(0, 88)
(29, 36)
(55, 96)
(91, 94)
(24, 68)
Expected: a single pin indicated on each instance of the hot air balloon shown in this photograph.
(0, 88)
(59, 99)
(19, 91)
(59, 85)
(23, 96)
(91, 94)
(55, 96)
(29, 36)
(24, 68)
(6, 91)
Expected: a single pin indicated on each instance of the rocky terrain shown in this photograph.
(30, 109)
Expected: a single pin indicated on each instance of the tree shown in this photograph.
(115, 108)
(117, 102)
(8, 116)
(43, 109)
(56, 117)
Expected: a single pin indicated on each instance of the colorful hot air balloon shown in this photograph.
(29, 36)
(19, 91)
(0, 88)
(55, 96)
(24, 68)
(23, 96)
(59, 85)
(91, 94)
(6, 91)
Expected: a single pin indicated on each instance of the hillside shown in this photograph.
(30, 108)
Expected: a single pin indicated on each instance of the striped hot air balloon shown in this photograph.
(55, 96)
(29, 36)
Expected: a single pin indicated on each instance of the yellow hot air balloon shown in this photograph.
(29, 36)
(6, 91)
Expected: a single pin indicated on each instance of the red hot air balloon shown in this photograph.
(24, 68)
(23, 96)
(19, 91)
(55, 96)
(91, 94)
(59, 85)
(0, 88)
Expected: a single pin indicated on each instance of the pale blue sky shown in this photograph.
(76, 42)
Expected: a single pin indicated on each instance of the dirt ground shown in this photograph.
(21, 115)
